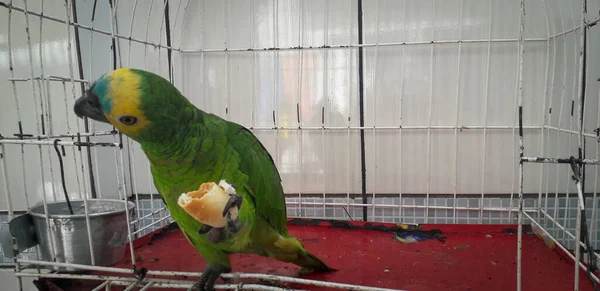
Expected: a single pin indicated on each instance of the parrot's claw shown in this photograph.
(140, 273)
(234, 200)
(210, 276)
(233, 226)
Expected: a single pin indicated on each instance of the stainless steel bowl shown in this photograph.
(65, 239)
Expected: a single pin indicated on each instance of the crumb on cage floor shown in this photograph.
(473, 257)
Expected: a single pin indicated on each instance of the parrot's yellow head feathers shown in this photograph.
(138, 103)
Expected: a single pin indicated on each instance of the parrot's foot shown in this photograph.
(233, 226)
(234, 200)
(140, 273)
(210, 276)
(204, 229)
(214, 235)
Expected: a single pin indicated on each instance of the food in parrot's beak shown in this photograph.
(214, 205)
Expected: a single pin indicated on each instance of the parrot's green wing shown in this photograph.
(264, 182)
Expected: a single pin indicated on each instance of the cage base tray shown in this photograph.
(473, 257)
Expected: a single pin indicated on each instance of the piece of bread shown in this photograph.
(207, 203)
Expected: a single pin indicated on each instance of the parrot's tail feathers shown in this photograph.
(311, 264)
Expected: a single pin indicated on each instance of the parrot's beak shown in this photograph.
(89, 106)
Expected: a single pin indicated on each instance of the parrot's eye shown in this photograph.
(128, 120)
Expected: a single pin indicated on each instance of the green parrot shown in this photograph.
(187, 147)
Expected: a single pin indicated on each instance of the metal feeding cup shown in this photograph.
(64, 237)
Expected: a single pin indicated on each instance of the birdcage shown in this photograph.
(422, 145)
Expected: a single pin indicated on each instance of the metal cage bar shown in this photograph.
(521, 148)
(235, 276)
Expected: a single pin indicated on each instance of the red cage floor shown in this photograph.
(473, 257)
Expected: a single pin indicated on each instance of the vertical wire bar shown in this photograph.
(224, 6)
(544, 167)
(181, 30)
(181, 41)
(485, 111)
(121, 179)
(361, 108)
(549, 111)
(117, 41)
(581, 81)
(400, 118)
(48, 108)
(30, 58)
(514, 134)
(325, 96)
(146, 33)
(9, 201)
(460, 21)
(65, 94)
(374, 137)
(48, 96)
(562, 101)
(93, 124)
(131, 32)
(568, 172)
(17, 105)
(38, 131)
(42, 75)
(85, 121)
(130, 148)
(298, 102)
(175, 25)
(204, 67)
(350, 62)
(583, 124)
(595, 202)
(170, 38)
(428, 184)
(521, 148)
(3, 168)
(49, 114)
(152, 217)
(276, 80)
(577, 247)
(183, 80)
(160, 34)
(71, 76)
(113, 57)
(82, 188)
(581, 92)
(253, 111)
(165, 10)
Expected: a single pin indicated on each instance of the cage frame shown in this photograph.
(40, 138)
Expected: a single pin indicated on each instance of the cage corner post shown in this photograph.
(361, 88)
(521, 53)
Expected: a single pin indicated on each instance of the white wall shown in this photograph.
(251, 85)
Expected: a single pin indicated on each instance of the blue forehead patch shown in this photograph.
(101, 90)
